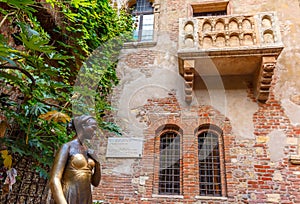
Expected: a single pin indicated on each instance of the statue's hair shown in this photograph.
(76, 123)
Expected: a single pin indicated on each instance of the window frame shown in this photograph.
(156, 167)
(212, 7)
(162, 134)
(141, 15)
(218, 132)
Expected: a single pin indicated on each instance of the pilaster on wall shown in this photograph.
(264, 78)
(188, 74)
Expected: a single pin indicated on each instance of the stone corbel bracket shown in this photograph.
(188, 74)
(295, 159)
(264, 78)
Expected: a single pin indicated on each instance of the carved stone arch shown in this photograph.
(189, 27)
(207, 26)
(207, 41)
(220, 25)
(189, 40)
(246, 24)
(220, 40)
(233, 24)
(248, 39)
(234, 39)
(266, 21)
(268, 36)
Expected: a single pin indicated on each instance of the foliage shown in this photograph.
(39, 64)
(7, 159)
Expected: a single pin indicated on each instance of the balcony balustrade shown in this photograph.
(236, 44)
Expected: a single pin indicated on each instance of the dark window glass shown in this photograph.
(212, 13)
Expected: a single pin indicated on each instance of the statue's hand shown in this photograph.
(91, 153)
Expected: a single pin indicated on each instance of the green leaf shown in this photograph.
(12, 63)
(53, 60)
(21, 4)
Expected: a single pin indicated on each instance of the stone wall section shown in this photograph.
(258, 138)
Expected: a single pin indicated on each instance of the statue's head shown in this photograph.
(85, 126)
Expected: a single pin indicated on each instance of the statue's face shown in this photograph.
(90, 128)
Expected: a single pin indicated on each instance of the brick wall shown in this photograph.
(151, 95)
(251, 175)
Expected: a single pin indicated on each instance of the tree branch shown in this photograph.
(49, 104)
(23, 71)
(5, 17)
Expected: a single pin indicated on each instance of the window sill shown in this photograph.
(129, 45)
(210, 198)
(167, 196)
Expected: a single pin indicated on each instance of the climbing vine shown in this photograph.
(43, 46)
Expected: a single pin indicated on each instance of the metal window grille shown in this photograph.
(209, 164)
(169, 168)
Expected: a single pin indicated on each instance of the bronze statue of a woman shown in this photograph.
(75, 167)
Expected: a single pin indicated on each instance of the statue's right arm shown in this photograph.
(56, 174)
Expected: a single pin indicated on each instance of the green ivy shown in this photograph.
(38, 77)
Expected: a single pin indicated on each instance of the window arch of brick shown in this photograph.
(169, 160)
(211, 166)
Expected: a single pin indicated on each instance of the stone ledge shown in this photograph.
(210, 198)
(133, 45)
(167, 196)
(295, 159)
(98, 201)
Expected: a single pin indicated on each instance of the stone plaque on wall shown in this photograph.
(124, 147)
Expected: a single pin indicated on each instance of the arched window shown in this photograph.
(143, 17)
(210, 161)
(169, 166)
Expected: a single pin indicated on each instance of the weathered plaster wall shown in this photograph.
(258, 137)
(287, 70)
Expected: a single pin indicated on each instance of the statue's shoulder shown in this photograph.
(66, 146)
(70, 145)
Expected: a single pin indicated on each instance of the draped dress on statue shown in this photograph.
(76, 179)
